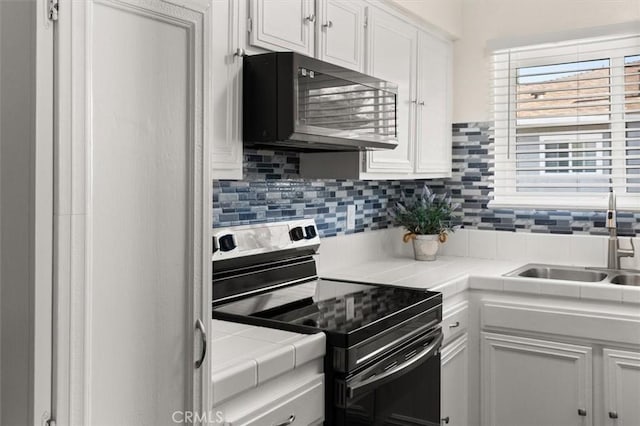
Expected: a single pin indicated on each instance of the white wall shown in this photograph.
(484, 20)
(444, 14)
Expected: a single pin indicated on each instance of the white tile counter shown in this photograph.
(246, 356)
(380, 257)
(453, 274)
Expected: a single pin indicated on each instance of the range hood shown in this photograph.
(292, 101)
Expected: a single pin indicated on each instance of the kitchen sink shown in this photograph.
(561, 273)
(627, 279)
(573, 273)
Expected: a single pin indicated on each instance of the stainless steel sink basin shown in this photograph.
(630, 279)
(573, 273)
(559, 273)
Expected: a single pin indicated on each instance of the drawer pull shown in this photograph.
(291, 419)
(613, 415)
(455, 324)
(582, 412)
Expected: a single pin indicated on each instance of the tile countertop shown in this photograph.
(453, 274)
(245, 356)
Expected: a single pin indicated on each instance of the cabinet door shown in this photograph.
(622, 387)
(391, 56)
(455, 361)
(433, 131)
(530, 382)
(341, 33)
(132, 211)
(226, 86)
(283, 25)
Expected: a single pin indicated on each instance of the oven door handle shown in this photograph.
(391, 374)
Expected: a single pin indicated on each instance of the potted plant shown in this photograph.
(427, 219)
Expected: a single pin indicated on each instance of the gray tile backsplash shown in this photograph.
(272, 190)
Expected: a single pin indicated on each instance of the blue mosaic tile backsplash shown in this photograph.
(272, 190)
(471, 185)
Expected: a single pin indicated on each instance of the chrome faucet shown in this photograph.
(614, 252)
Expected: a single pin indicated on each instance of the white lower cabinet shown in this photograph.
(455, 383)
(294, 399)
(621, 387)
(531, 382)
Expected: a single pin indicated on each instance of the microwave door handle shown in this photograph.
(391, 374)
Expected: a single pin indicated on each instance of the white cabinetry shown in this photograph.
(331, 30)
(226, 87)
(296, 398)
(420, 63)
(391, 56)
(434, 109)
(132, 253)
(455, 383)
(547, 375)
(621, 387)
(340, 32)
(283, 25)
(531, 382)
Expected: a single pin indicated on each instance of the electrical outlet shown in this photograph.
(351, 216)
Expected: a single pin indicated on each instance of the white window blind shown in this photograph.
(567, 124)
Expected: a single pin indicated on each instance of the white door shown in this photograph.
(622, 387)
(226, 85)
(391, 56)
(341, 33)
(282, 25)
(531, 382)
(455, 383)
(132, 211)
(433, 131)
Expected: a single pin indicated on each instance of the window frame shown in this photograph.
(504, 93)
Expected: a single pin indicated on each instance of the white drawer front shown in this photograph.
(561, 321)
(455, 320)
(305, 406)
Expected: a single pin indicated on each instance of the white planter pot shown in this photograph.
(425, 247)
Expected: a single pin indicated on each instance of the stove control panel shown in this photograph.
(247, 240)
(227, 242)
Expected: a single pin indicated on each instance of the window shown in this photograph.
(567, 124)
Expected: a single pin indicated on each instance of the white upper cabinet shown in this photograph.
(226, 87)
(340, 38)
(391, 55)
(433, 110)
(621, 387)
(283, 25)
(420, 63)
(364, 36)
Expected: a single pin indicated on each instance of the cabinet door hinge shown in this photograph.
(53, 10)
(249, 25)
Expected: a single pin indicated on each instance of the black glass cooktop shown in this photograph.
(348, 312)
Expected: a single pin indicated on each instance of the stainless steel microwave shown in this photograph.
(297, 102)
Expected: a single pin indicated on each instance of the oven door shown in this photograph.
(403, 388)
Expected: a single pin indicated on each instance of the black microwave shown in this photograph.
(296, 102)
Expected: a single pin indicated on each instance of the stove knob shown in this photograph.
(296, 233)
(310, 232)
(227, 242)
